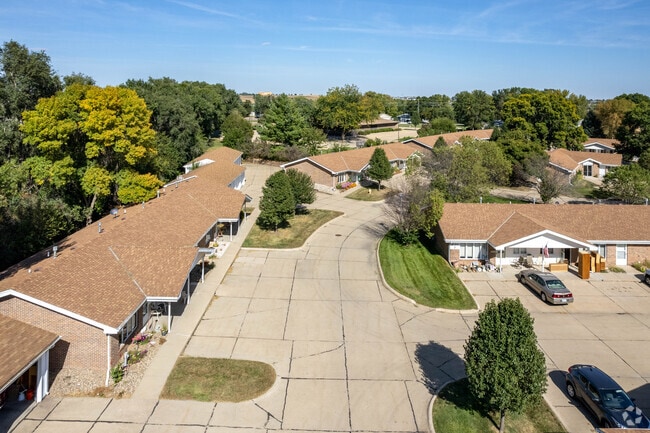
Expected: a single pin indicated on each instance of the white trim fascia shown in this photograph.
(105, 328)
(466, 241)
(542, 233)
(297, 161)
(227, 220)
(620, 242)
(568, 171)
(164, 298)
(283, 166)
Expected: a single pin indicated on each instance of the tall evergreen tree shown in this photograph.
(379, 167)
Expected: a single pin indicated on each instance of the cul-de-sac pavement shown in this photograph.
(351, 355)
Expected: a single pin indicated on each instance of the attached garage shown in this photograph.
(25, 364)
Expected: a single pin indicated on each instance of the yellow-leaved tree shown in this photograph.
(85, 137)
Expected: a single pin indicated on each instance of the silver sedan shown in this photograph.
(549, 287)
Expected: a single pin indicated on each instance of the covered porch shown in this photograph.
(542, 250)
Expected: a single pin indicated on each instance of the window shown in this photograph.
(602, 250)
(518, 251)
(472, 251)
(341, 177)
(128, 329)
(586, 170)
(541, 251)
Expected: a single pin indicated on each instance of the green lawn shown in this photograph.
(497, 199)
(300, 227)
(581, 188)
(454, 411)
(216, 379)
(369, 194)
(423, 275)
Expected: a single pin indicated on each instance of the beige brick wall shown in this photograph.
(81, 346)
(317, 175)
(636, 253)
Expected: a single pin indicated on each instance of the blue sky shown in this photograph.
(596, 48)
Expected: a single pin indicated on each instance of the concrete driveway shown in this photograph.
(349, 354)
(608, 325)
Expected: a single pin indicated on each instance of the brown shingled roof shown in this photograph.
(20, 345)
(570, 159)
(145, 250)
(607, 142)
(357, 159)
(452, 137)
(501, 223)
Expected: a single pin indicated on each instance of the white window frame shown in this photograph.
(128, 328)
(478, 251)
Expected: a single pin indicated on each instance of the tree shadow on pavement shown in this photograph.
(438, 365)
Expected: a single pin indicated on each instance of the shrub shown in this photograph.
(117, 374)
(617, 269)
(136, 355)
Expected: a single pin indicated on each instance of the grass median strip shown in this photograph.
(217, 379)
(422, 275)
(455, 411)
(294, 236)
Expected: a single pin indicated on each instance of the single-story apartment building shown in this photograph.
(451, 138)
(329, 169)
(504, 233)
(590, 164)
(600, 145)
(98, 287)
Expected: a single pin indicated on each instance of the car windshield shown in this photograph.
(555, 285)
(616, 399)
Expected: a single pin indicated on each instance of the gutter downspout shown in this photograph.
(108, 358)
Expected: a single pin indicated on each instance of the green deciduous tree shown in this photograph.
(440, 125)
(302, 187)
(25, 77)
(549, 117)
(236, 131)
(505, 368)
(474, 109)
(414, 208)
(634, 132)
(630, 183)
(277, 204)
(340, 109)
(379, 168)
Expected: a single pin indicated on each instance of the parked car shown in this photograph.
(611, 406)
(647, 276)
(549, 287)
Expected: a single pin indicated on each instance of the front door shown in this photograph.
(621, 255)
